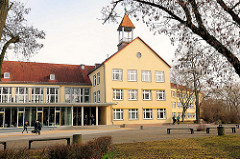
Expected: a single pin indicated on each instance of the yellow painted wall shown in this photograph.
(126, 59)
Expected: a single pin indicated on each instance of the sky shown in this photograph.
(75, 35)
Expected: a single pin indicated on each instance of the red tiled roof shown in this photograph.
(40, 72)
(126, 22)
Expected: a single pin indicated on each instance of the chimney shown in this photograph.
(97, 65)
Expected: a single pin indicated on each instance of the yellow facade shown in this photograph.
(126, 59)
(190, 114)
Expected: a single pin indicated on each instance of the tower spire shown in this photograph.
(125, 30)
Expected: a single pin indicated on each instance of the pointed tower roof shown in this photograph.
(126, 22)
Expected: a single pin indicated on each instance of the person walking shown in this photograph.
(25, 127)
(178, 119)
(174, 120)
(39, 127)
(92, 119)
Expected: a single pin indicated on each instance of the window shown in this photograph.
(67, 95)
(98, 97)
(173, 104)
(179, 105)
(193, 115)
(160, 95)
(180, 114)
(94, 97)
(146, 76)
(118, 114)
(6, 75)
(21, 95)
(133, 114)
(174, 114)
(159, 76)
(94, 80)
(173, 93)
(161, 113)
(147, 113)
(52, 76)
(117, 74)
(77, 95)
(52, 95)
(117, 94)
(132, 75)
(132, 94)
(147, 95)
(6, 94)
(37, 95)
(98, 78)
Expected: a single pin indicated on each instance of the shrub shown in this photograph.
(93, 149)
(10, 154)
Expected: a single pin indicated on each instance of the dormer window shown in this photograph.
(52, 76)
(6, 75)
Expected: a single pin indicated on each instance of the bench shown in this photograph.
(169, 129)
(233, 129)
(4, 143)
(47, 139)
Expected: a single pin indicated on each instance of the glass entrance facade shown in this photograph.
(48, 116)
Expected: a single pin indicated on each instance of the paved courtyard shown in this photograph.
(16, 140)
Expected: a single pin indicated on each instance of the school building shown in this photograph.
(130, 87)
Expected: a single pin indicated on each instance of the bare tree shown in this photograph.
(214, 22)
(4, 7)
(18, 33)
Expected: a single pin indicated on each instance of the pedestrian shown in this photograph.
(37, 127)
(92, 119)
(25, 127)
(178, 119)
(174, 120)
(85, 119)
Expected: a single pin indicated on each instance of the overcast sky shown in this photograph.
(74, 35)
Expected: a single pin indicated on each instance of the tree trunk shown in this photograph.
(4, 5)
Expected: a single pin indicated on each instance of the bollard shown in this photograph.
(220, 131)
(77, 138)
(141, 127)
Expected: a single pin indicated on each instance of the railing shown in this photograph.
(126, 40)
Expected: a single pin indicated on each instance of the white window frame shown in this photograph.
(98, 96)
(159, 76)
(131, 113)
(161, 95)
(146, 112)
(147, 92)
(6, 94)
(116, 92)
(146, 76)
(94, 80)
(161, 113)
(132, 94)
(132, 75)
(173, 104)
(55, 95)
(94, 97)
(117, 74)
(179, 105)
(117, 112)
(52, 77)
(24, 96)
(6, 75)
(173, 93)
(37, 98)
(98, 78)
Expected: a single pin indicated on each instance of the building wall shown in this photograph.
(126, 59)
(190, 114)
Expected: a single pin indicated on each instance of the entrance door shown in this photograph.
(40, 116)
(57, 118)
(2, 114)
(20, 119)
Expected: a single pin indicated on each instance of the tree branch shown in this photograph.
(234, 16)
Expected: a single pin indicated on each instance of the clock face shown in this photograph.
(139, 55)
